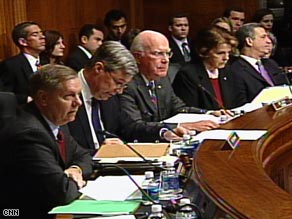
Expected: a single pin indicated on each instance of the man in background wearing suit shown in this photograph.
(16, 70)
(251, 72)
(42, 166)
(180, 44)
(116, 23)
(90, 38)
(149, 97)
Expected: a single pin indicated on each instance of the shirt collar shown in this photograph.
(87, 53)
(86, 93)
(53, 127)
(32, 61)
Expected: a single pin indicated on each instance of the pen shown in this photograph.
(169, 128)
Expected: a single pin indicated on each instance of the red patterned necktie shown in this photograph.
(62, 144)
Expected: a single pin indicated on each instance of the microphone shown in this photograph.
(109, 134)
(287, 80)
(212, 96)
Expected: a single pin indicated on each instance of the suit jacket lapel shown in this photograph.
(25, 66)
(31, 107)
(84, 121)
(251, 70)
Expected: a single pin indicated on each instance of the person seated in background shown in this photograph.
(236, 17)
(252, 72)
(264, 17)
(55, 47)
(223, 22)
(208, 84)
(149, 97)
(90, 38)
(42, 165)
(116, 23)
(15, 71)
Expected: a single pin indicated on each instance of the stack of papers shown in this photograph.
(112, 188)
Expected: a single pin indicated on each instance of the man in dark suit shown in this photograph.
(106, 75)
(90, 38)
(42, 166)
(149, 97)
(16, 70)
(179, 42)
(252, 73)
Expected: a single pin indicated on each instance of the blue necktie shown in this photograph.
(96, 119)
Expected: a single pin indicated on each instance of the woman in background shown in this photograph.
(55, 47)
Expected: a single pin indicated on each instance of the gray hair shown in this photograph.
(49, 77)
(114, 56)
(247, 30)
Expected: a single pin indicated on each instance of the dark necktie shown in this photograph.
(151, 86)
(186, 52)
(37, 64)
(264, 73)
(96, 120)
(62, 144)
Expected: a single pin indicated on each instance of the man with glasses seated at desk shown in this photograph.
(149, 97)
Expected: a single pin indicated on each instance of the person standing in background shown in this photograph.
(236, 17)
(90, 38)
(116, 24)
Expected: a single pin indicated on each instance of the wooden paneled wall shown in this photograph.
(68, 16)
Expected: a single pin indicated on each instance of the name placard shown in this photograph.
(282, 103)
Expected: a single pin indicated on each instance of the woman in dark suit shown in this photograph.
(208, 83)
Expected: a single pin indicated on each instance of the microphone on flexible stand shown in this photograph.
(287, 80)
(109, 134)
(214, 98)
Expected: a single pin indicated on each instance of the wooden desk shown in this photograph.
(255, 180)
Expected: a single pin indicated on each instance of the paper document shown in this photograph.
(115, 188)
(271, 94)
(220, 134)
(194, 117)
(105, 208)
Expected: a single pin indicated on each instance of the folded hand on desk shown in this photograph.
(75, 174)
(175, 134)
(200, 126)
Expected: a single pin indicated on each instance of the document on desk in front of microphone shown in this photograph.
(194, 117)
(221, 134)
(114, 188)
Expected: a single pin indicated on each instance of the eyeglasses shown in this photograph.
(119, 85)
(160, 54)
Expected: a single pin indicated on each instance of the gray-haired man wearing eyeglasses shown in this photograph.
(152, 53)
